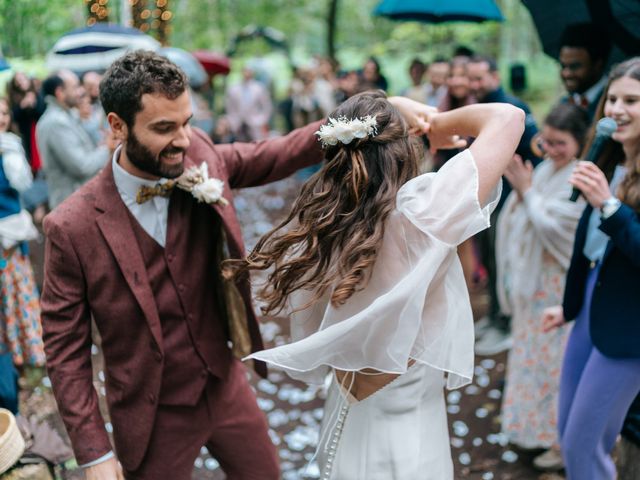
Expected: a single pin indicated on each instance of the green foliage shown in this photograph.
(31, 27)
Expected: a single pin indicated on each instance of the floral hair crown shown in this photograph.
(345, 131)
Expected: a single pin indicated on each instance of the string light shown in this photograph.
(152, 16)
(98, 11)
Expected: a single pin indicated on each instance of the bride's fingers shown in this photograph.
(419, 127)
(459, 142)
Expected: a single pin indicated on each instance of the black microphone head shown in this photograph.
(606, 126)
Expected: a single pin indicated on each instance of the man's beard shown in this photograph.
(140, 156)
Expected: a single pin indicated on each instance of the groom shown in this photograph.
(142, 259)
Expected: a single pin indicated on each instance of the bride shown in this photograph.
(366, 268)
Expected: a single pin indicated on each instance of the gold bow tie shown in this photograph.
(146, 193)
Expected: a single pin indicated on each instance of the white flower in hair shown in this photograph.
(345, 131)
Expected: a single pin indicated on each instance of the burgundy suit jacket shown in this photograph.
(94, 268)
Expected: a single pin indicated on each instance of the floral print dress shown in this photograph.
(20, 328)
(534, 242)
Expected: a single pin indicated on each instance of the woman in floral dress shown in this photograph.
(533, 248)
(20, 328)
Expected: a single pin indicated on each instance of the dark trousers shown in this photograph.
(487, 243)
(226, 420)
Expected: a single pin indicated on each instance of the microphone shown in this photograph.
(604, 129)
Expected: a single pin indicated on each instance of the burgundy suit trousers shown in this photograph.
(226, 420)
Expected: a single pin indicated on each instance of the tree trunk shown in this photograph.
(331, 30)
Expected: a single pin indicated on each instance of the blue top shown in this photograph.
(614, 321)
(9, 197)
(596, 241)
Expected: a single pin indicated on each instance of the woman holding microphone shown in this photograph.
(601, 371)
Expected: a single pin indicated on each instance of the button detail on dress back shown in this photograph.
(333, 445)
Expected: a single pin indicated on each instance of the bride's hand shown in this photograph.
(417, 115)
(421, 118)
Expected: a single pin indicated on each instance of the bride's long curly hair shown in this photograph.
(330, 239)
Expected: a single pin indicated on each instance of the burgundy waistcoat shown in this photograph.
(194, 341)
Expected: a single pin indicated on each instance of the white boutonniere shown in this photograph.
(204, 189)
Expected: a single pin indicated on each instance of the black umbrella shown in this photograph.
(620, 18)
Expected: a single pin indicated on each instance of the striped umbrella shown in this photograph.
(96, 47)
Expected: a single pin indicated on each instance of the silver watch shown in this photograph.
(609, 207)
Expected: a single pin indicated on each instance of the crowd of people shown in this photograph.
(389, 327)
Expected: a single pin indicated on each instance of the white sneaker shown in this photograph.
(549, 461)
(493, 342)
(481, 327)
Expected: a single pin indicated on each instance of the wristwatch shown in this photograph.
(609, 207)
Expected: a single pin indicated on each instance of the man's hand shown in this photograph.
(108, 470)
(552, 318)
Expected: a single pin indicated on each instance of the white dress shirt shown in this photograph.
(152, 214)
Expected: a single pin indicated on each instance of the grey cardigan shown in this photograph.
(69, 156)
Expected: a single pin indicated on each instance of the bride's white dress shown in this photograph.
(415, 306)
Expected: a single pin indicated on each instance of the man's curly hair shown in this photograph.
(135, 74)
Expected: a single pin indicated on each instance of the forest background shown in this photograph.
(31, 27)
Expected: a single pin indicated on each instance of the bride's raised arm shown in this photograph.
(497, 128)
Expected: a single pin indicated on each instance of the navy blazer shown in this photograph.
(615, 305)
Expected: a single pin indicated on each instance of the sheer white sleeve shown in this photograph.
(445, 204)
(415, 305)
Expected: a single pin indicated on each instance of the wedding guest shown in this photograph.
(494, 331)
(535, 234)
(436, 86)
(372, 77)
(325, 85)
(601, 370)
(20, 328)
(70, 157)
(27, 106)
(458, 95)
(458, 92)
(249, 108)
(416, 91)
(584, 51)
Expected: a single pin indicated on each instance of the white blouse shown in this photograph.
(415, 305)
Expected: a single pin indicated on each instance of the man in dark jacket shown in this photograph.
(493, 332)
(584, 50)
